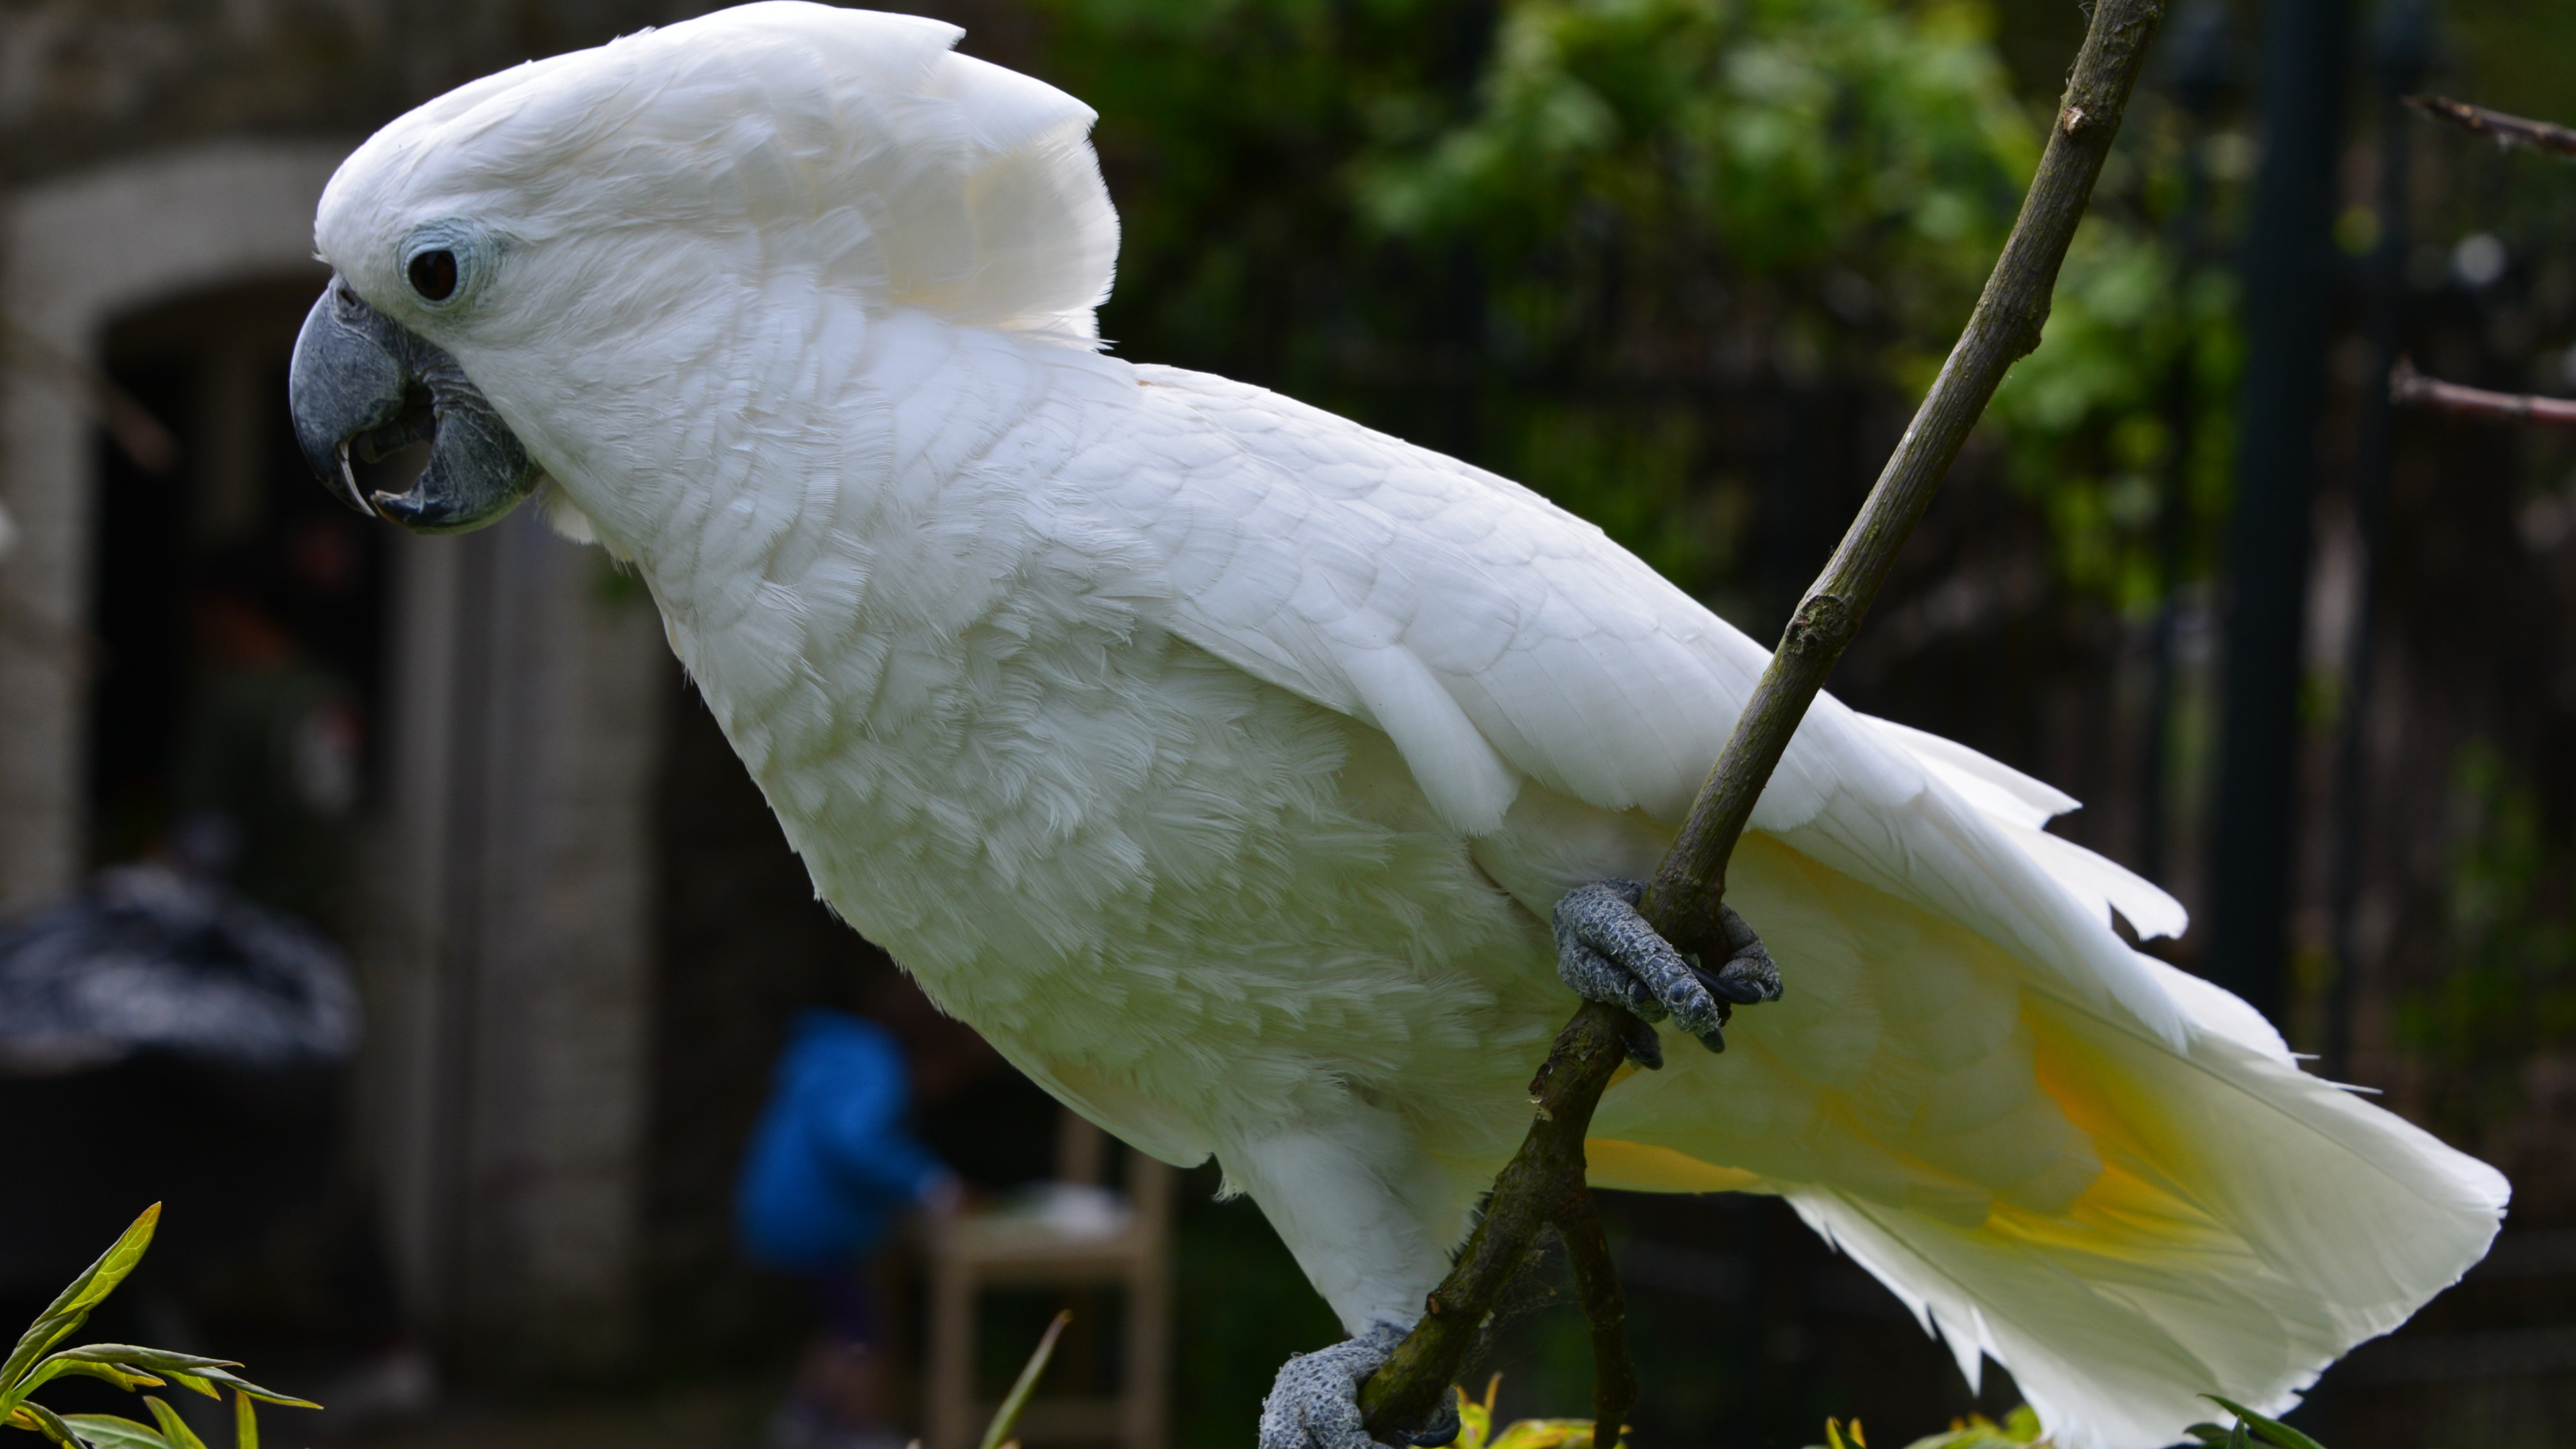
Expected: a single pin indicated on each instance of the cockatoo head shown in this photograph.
(531, 270)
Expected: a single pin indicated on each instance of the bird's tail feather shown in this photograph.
(2251, 1224)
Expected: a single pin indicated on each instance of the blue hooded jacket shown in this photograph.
(830, 1166)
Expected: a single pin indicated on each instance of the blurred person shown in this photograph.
(830, 1171)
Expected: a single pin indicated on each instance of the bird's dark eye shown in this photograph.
(433, 274)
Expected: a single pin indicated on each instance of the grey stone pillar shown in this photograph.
(517, 963)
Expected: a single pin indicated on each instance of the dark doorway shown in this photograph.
(236, 513)
(267, 1238)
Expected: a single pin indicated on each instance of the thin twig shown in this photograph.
(1544, 1184)
(2409, 388)
(2507, 130)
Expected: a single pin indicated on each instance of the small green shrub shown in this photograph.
(35, 1362)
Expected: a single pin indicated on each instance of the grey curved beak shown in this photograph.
(362, 386)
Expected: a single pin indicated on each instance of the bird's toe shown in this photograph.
(1749, 976)
(1607, 952)
(1315, 1401)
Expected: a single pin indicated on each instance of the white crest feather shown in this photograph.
(919, 177)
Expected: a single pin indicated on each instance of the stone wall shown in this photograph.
(155, 151)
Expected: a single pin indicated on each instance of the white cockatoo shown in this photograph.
(1224, 762)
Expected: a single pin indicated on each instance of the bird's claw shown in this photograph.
(1315, 1401)
(1606, 952)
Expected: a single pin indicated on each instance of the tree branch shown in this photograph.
(1544, 1184)
(2409, 388)
(2507, 130)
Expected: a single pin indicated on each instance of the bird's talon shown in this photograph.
(1315, 1401)
(1749, 976)
(1606, 952)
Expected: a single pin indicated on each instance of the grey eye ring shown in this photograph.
(445, 263)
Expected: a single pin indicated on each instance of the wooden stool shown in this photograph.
(977, 1251)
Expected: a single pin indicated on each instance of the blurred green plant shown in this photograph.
(2019, 1430)
(1476, 1428)
(1006, 1419)
(2509, 992)
(2086, 422)
(2249, 1429)
(1613, 248)
(36, 1362)
(1865, 156)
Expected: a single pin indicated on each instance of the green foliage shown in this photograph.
(1594, 245)
(2086, 417)
(2250, 1428)
(2510, 988)
(1829, 145)
(2019, 1430)
(1476, 1428)
(36, 1362)
(997, 1434)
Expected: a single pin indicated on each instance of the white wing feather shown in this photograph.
(1493, 635)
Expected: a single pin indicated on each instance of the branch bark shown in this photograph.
(2409, 388)
(2507, 130)
(1544, 1185)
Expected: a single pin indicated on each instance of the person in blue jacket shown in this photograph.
(829, 1173)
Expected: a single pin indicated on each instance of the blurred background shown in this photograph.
(1683, 265)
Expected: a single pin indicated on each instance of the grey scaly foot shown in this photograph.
(1315, 1402)
(1606, 952)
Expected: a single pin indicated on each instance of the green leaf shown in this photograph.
(1475, 1420)
(141, 1357)
(208, 1376)
(1545, 1434)
(2270, 1431)
(123, 1376)
(2207, 1433)
(1007, 1418)
(70, 1308)
(39, 1419)
(245, 1422)
(241, 1385)
(110, 1431)
(173, 1428)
